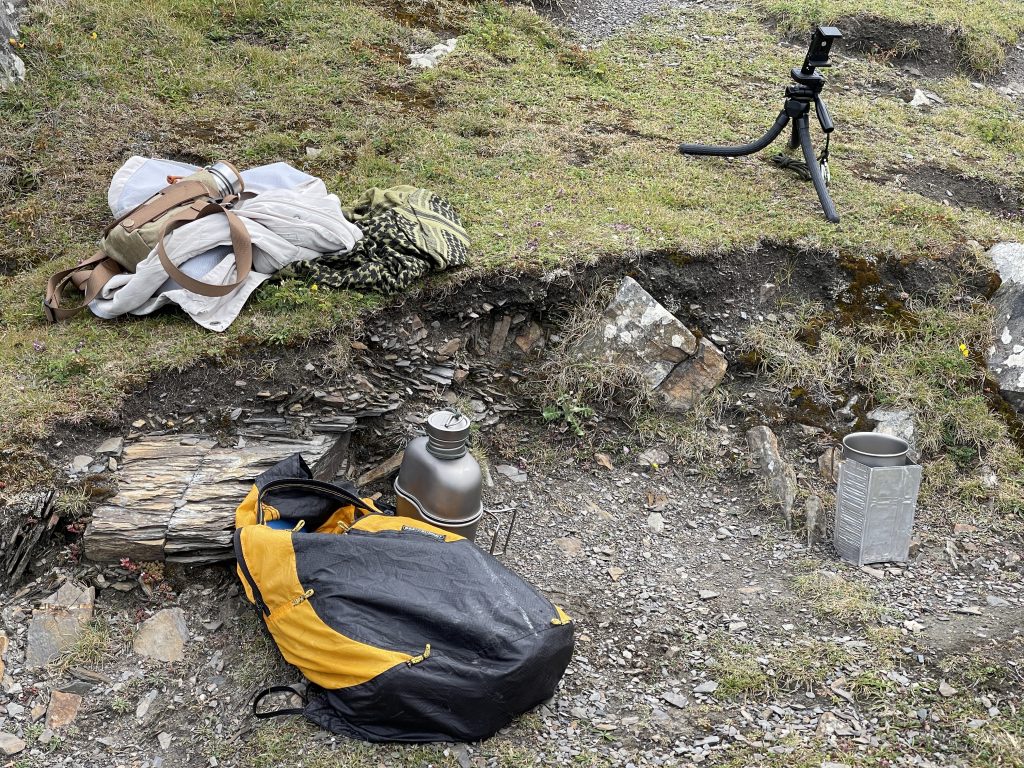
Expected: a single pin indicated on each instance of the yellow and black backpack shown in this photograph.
(406, 632)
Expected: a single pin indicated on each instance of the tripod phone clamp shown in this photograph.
(796, 112)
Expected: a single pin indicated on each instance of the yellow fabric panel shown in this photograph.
(340, 521)
(246, 512)
(387, 523)
(328, 658)
(563, 617)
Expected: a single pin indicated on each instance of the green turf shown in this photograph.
(552, 153)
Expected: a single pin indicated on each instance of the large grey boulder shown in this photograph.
(637, 331)
(1006, 356)
(12, 68)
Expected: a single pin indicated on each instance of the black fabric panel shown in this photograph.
(449, 697)
(292, 505)
(401, 590)
(292, 467)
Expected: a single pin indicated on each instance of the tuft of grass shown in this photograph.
(836, 599)
(95, 644)
(571, 384)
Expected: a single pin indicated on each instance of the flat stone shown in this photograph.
(637, 331)
(142, 708)
(163, 636)
(707, 594)
(656, 522)
(708, 686)
(81, 463)
(10, 744)
(529, 339)
(63, 709)
(675, 699)
(111, 447)
(164, 739)
(946, 690)
(781, 476)
(514, 474)
(571, 547)
(828, 464)
(693, 379)
(997, 602)
(58, 622)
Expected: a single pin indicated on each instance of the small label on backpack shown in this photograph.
(437, 536)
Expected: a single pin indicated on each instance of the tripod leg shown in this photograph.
(743, 149)
(812, 165)
(794, 137)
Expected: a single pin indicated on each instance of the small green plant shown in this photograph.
(569, 409)
(121, 705)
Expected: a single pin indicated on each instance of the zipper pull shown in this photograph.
(303, 597)
(421, 657)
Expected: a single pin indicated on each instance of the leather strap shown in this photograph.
(159, 204)
(241, 244)
(89, 276)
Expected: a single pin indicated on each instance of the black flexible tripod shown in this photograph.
(799, 98)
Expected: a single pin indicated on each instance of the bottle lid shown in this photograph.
(447, 434)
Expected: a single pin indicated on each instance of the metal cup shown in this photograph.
(873, 449)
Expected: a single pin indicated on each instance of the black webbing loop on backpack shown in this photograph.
(277, 712)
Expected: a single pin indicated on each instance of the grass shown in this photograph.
(96, 643)
(836, 599)
(912, 361)
(979, 30)
(551, 152)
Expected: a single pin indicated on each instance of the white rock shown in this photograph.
(946, 690)
(656, 522)
(429, 58)
(708, 686)
(164, 738)
(81, 463)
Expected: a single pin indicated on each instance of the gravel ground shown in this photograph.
(594, 20)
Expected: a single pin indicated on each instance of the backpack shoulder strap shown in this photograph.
(277, 712)
(90, 275)
(171, 197)
(241, 245)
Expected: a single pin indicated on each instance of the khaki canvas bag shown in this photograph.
(129, 240)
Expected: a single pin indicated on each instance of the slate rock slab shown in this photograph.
(781, 476)
(12, 68)
(694, 378)
(58, 622)
(163, 636)
(63, 709)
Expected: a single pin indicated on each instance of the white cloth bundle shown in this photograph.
(291, 218)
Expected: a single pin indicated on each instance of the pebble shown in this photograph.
(708, 686)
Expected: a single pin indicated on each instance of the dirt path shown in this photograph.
(594, 20)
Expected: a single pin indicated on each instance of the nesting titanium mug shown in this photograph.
(873, 449)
